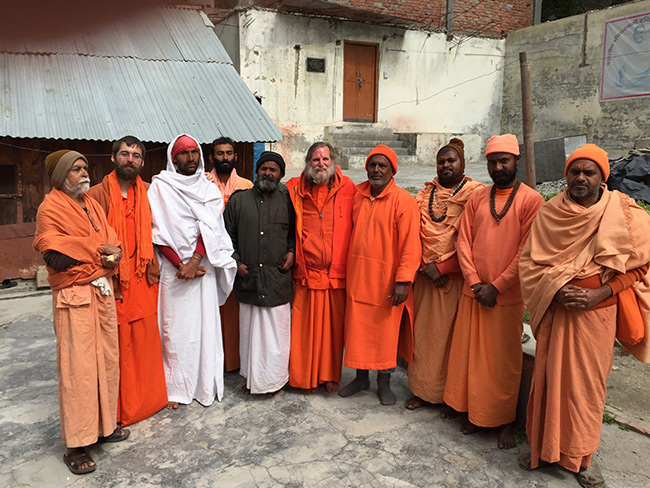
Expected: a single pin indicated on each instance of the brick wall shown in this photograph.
(493, 18)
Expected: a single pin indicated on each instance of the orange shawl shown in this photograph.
(234, 183)
(63, 226)
(439, 238)
(569, 241)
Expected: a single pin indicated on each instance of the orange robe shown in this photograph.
(142, 391)
(323, 228)
(486, 356)
(229, 311)
(384, 249)
(606, 242)
(85, 322)
(435, 308)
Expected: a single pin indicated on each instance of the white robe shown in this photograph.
(184, 208)
(264, 342)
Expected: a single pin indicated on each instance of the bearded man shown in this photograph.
(123, 196)
(322, 199)
(223, 157)
(81, 250)
(485, 357)
(196, 274)
(438, 287)
(260, 222)
(583, 275)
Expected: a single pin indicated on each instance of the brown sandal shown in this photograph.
(76, 458)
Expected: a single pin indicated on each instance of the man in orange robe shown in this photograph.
(439, 284)
(322, 199)
(485, 357)
(384, 256)
(123, 196)
(223, 158)
(587, 247)
(81, 251)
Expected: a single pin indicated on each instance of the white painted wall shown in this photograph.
(427, 85)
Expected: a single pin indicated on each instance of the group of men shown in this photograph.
(327, 273)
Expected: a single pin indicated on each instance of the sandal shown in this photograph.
(118, 435)
(591, 477)
(76, 458)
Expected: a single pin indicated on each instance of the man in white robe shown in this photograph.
(196, 274)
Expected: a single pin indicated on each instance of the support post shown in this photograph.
(527, 115)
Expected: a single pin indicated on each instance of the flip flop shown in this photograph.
(118, 435)
(7, 283)
(75, 459)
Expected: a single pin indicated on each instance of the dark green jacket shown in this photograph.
(262, 232)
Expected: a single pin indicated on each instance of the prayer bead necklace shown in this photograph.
(506, 207)
(432, 201)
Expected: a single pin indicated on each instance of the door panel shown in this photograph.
(360, 82)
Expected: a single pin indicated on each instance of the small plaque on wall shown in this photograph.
(316, 65)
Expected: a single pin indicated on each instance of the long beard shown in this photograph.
(320, 175)
(76, 190)
(266, 185)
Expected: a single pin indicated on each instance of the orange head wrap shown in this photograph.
(384, 151)
(183, 143)
(506, 143)
(592, 153)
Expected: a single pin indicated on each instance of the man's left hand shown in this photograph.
(485, 294)
(110, 255)
(400, 293)
(287, 261)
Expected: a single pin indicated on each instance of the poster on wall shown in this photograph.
(626, 58)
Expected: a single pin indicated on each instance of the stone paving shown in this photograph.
(294, 439)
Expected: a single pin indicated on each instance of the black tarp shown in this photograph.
(630, 176)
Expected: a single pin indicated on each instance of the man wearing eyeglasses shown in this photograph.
(123, 196)
(81, 251)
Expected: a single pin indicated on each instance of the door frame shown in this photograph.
(376, 81)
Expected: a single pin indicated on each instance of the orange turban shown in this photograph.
(386, 151)
(506, 143)
(592, 153)
(183, 143)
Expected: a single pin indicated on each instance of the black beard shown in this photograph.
(503, 178)
(224, 167)
(266, 185)
(126, 174)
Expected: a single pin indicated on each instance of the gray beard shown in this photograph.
(320, 177)
(77, 190)
(266, 186)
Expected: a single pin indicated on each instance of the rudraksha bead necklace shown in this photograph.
(432, 201)
(506, 207)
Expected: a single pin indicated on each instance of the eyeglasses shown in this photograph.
(125, 155)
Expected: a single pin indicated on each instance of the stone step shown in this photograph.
(361, 142)
(335, 130)
(360, 161)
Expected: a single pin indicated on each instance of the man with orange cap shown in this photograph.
(485, 357)
(583, 274)
(439, 284)
(196, 274)
(123, 196)
(383, 259)
(81, 251)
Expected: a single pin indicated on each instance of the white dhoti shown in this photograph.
(264, 342)
(190, 329)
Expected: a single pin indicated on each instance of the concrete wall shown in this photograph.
(427, 85)
(565, 58)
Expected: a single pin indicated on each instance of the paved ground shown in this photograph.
(294, 439)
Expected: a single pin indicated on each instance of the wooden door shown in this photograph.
(360, 82)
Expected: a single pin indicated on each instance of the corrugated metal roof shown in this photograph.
(152, 76)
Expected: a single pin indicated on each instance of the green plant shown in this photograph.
(411, 189)
(624, 427)
(608, 419)
(548, 197)
(643, 204)
(526, 316)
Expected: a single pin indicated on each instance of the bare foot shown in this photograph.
(244, 390)
(506, 438)
(274, 393)
(331, 386)
(469, 428)
(446, 412)
(413, 402)
(172, 406)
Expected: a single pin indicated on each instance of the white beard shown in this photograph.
(320, 176)
(75, 191)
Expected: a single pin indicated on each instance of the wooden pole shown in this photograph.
(527, 114)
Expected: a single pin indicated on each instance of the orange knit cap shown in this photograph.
(183, 143)
(592, 153)
(384, 151)
(506, 143)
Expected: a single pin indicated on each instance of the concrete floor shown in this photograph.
(294, 439)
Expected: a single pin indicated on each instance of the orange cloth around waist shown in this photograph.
(593, 282)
